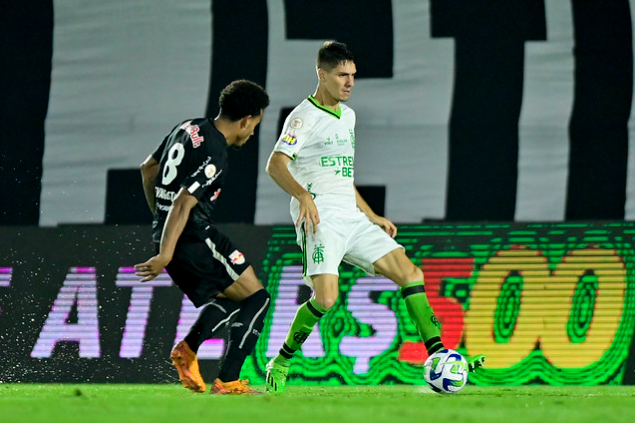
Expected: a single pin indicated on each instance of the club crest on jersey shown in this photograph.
(296, 123)
(237, 257)
(289, 139)
(210, 171)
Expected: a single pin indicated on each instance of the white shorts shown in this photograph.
(349, 237)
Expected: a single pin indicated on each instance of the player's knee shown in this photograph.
(326, 301)
(329, 303)
(410, 274)
(264, 296)
(260, 298)
(416, 274)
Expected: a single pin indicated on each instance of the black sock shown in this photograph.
(244, 334)
(215, 316)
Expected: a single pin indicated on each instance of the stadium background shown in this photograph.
(497, 133)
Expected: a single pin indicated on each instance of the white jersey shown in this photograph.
(321, 145)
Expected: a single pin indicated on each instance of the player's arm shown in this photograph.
(179, 212)
(149, 172)
(381, 221)
(278, 171)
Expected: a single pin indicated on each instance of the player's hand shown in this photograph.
(385, 224)
(151, 268)
(308, 213)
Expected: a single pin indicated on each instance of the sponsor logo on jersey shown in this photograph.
(215, 196)
(210, 171)
(343, 164)
(193, 130)
(164, 194)
(289, 139)
(201, 167)
(328, 161)
(211, 180)
(237, 257)
(296, 123)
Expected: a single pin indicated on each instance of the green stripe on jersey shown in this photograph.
(337, 114)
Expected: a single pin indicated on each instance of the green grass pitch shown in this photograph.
(398, 403)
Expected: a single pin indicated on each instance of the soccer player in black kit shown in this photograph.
(182, 181)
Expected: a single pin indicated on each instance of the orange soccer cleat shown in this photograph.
(186, 363)
(236, 387)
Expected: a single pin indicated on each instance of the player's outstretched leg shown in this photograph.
(429, 328)
(236, 387)
(186, 363)
(243, 335)
(475, 362)
(306, 317)
(421, 313)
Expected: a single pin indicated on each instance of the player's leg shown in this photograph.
(214, 268)
(254, 302)
(185, 270)
(214, 316)
(322, 254)
(397, 267)
(326, 290)
(309, 314)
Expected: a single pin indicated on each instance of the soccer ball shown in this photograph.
(446, 371)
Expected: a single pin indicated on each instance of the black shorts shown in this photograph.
(206, 265)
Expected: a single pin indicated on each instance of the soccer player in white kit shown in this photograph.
(313, 160)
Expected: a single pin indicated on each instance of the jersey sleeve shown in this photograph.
(206, 170)
(158, 153)
(295, 133)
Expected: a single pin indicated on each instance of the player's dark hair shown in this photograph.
(242, 98)
(333, 53)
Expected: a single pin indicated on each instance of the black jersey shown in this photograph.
(193, 156)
